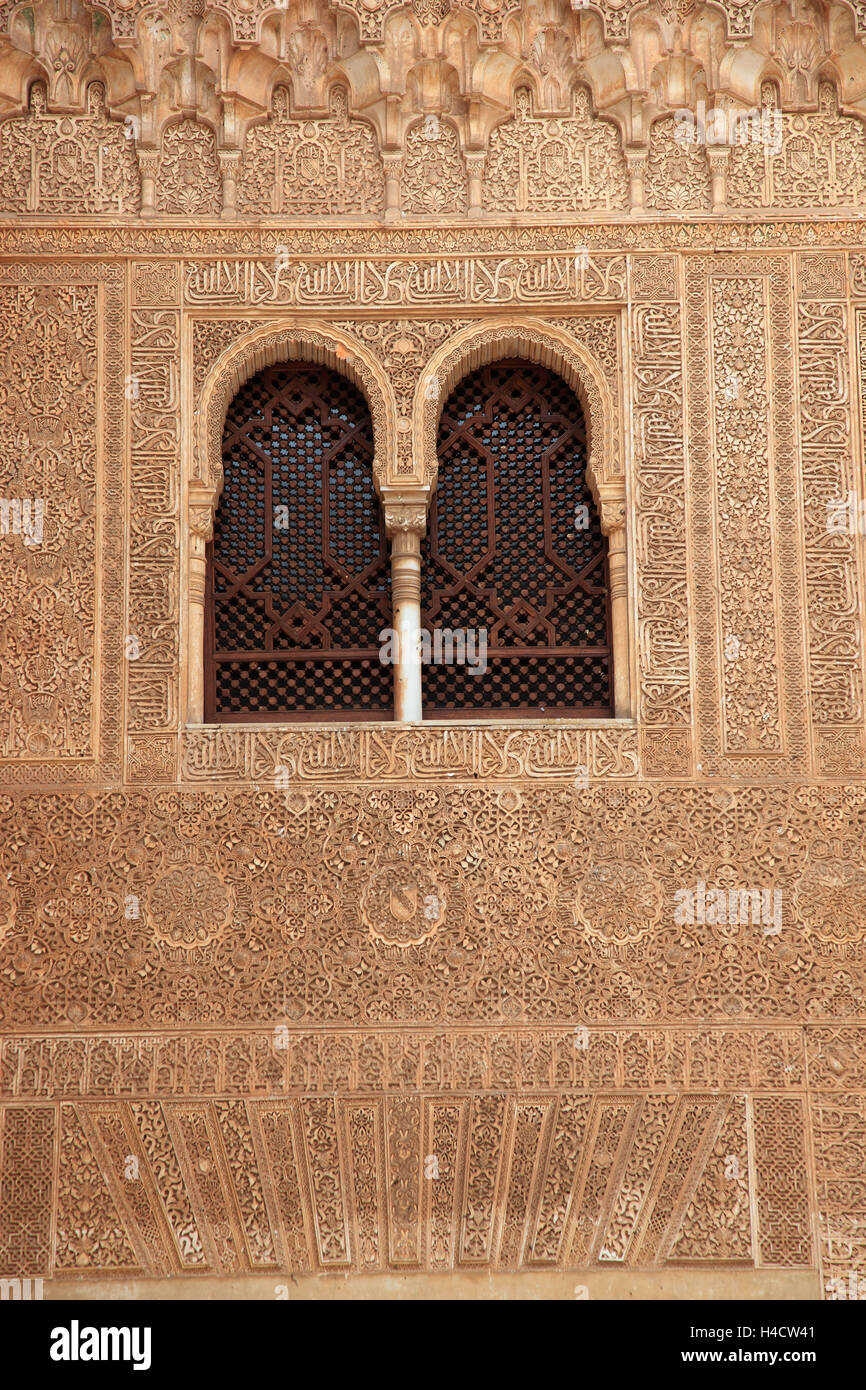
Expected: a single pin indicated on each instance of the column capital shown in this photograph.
(611, 510)
(636, 162)
(148, 161)
(405, 512)
(636, 157)
(200, 517)
(718, 156)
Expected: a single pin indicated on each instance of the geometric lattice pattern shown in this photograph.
(514, 547)
(298, 582)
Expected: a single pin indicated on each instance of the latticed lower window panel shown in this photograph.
(514, 550)
(298, 576)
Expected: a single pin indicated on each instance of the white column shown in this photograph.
(405, 525)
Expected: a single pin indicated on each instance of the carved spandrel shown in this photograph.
(311, 167)
(808, 159)
(433, 177)
(538, 164)
(677, 173)
(187, 177)
(61, 164)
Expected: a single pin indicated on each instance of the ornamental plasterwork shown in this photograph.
(49, 163)
(569, 165)
(319, 166)
(282, 965)
(821, 157)
(433, 126)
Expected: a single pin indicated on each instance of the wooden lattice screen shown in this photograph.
(514, 546)
(298, 580)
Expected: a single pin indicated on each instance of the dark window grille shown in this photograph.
(503, 552)
(296, 600)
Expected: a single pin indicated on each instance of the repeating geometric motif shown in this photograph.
(281, 902)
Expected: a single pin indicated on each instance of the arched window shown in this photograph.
(298, 586)
(514, 558)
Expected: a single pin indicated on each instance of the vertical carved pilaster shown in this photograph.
(405, 523)
(229, 160)
(201, 514)
(718, 160)
(148, 164)
(636, 159)
(613, 526)
(393, 163)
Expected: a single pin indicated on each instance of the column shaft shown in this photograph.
(617, 568)
(200, 532)
(406, 597)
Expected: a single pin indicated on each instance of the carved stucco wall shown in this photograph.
(202, 962)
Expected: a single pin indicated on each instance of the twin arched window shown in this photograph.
(515, 611)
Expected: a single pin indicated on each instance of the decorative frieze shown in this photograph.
(61, 543)
(830, 511)
(570, 1180)
(405, 283)
(387, 754)
(745, 511)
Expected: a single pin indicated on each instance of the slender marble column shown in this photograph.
(405, 526)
